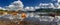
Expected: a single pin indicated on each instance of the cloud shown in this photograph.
(37, 7)
(29, 8)
(26, 8)
(51, 5)
(41, 5)
(57, 5)
(11, 6)
(32, 8)
(2, 8)
(46, 5)
(58, 0)
(16, 5)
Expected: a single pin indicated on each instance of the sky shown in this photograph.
(26, 2)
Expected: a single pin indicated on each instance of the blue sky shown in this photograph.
(26, 2)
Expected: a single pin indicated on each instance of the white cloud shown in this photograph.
(51, 5)
(58, 6)
(2, 8)
(58, 0)
(16, 5)
(32, 8)
(37, 7)
(29, 8)
(46, 5)
(26, 8)
(11, 6)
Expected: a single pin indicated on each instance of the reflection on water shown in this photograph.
(41, 18)
(32, 17)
